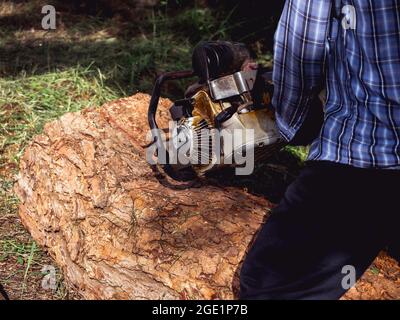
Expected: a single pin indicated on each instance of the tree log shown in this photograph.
(120, 229)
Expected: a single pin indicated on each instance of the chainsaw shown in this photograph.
(226, 99)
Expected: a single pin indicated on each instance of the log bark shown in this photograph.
(120, 229)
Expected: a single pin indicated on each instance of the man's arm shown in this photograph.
(299, 59)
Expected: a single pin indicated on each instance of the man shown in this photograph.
(343, 208)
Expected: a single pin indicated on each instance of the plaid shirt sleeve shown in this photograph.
(299, 60)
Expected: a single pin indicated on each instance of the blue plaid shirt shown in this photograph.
(353, 49)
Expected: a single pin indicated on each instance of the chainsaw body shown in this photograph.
(225, 116)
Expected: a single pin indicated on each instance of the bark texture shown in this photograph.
(120, 229)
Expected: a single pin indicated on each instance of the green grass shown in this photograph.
(28, 102)
(30, 261)
(20, 251)
(298, 152)
(374, 270)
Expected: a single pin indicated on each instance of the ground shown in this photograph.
(88, 60)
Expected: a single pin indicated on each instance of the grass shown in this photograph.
(298, 152)
(28, 261)
(28, 102)
(21, 251)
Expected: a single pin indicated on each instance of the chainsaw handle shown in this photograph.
(155, 97)
(152, 112)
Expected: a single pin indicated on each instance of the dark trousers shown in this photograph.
(332, 217)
